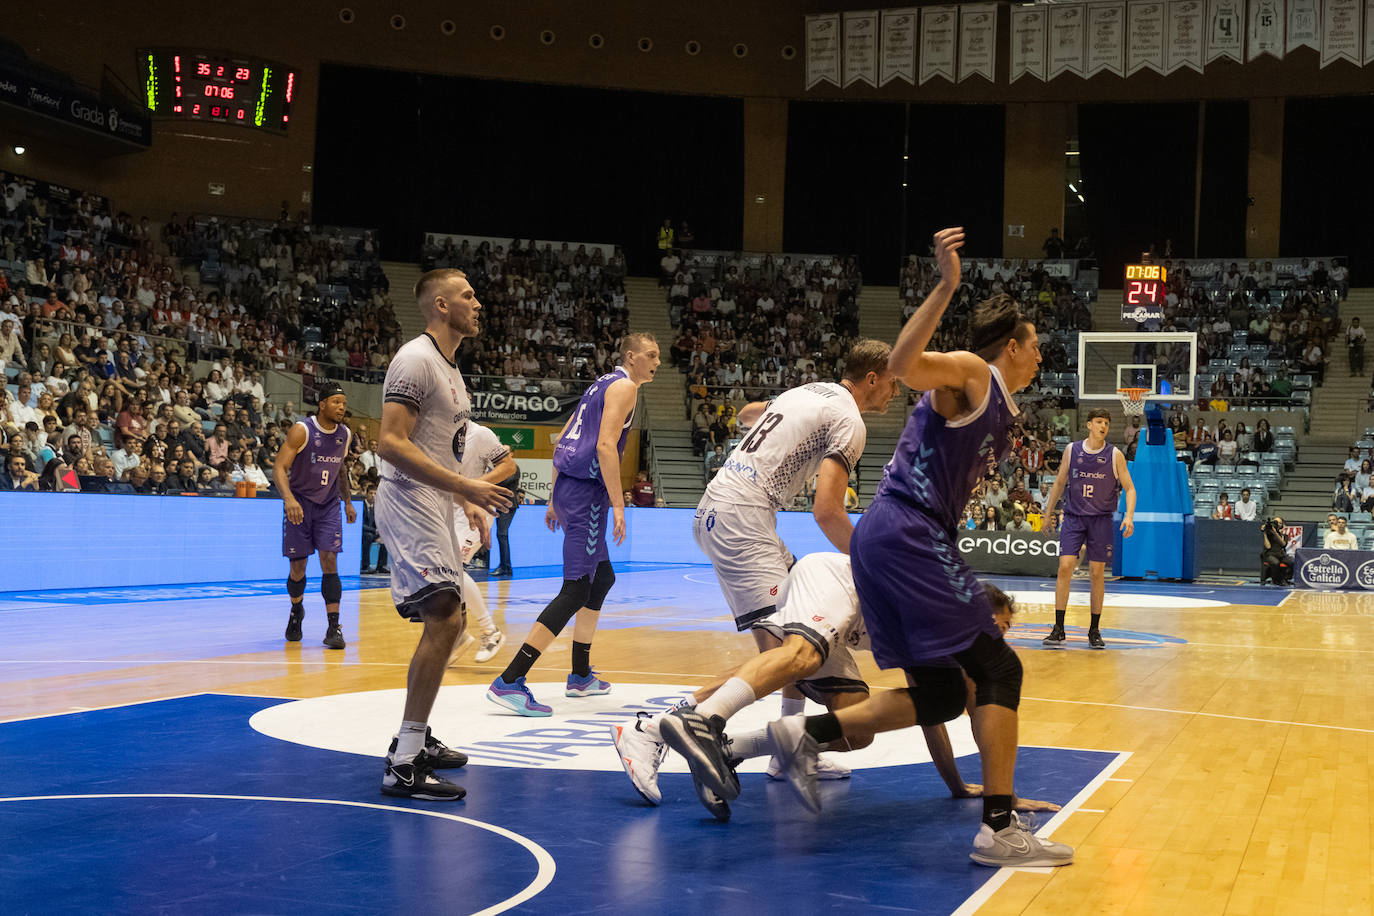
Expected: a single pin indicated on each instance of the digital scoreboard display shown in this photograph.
(210, 86)
(1142, 294)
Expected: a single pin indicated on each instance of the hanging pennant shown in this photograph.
(1264, 32)
(1341, 31)
(898, 54)
(1106, 39)
(1066, 40)
(1028, 42)
(1225, 30)
(860, 48)
(978, 41)
(1304, 25)
(822, 50)
(1145, 36)
(937, 42)
(1183, 47)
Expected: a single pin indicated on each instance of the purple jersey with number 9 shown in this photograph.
(575, 454)
(315, 471)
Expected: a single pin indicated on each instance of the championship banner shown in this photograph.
(1304, 24)
(1106, 39)
(517, 407)
(1368, 32)
(1226, 30)
(899, 47)
(1028, 42)
(937, 42)
(1183, 40)
(978, 41)
(1265, 29)
(1066, 40)
(1145, 36)
(822, 50)
(1341, 32)
(860, 48)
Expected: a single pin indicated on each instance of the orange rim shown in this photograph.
(1133, 394)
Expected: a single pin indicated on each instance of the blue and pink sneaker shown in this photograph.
(517, 696)
(589, 686)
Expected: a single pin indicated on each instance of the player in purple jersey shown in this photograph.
(586, 489)
(1092, 474)
(923, 607)
(311, 477)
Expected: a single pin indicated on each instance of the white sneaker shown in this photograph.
(460, 647)
(826, 768)
(492, 640)
(1016, 846)
(641, 756)
(797, 752)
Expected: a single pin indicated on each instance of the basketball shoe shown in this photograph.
(1056, 639)
(293, 626)
(1095, 640)
(333, 638)
(826, 768)
(702, 742)
(516, 696)
(441, 756)
(589, 686)
(1015, 846)
(797, 752)
(641, 756)
(492, 641)
(416, 779)
(719, 807)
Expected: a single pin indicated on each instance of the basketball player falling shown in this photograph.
(311, 477)
(425, 411)
(1093, 473)
(920, 601)
(586, 489)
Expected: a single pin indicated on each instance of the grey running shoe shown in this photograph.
(797, 753)
(1016, 846)
(492, 641)
(702, 742)
(1056, 639)
(719, 807)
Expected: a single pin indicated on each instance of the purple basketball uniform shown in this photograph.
(1090, 498)
(920, 600)
(579, 495)
(314, 479)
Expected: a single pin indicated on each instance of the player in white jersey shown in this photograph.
(485, 457)
(811, 430)
(822, 628)
(425, 411)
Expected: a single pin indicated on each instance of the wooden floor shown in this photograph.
(1247, 789)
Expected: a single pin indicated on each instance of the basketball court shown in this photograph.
(165, 750)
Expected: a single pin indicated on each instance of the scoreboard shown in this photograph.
(183, 83)
(1142, 293)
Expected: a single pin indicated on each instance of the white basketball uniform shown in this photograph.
(818, 602)
(414, 519)
(482, 452)
(736, 521)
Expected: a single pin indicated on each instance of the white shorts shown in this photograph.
(416, 524)
(750, 560)
(818, 603)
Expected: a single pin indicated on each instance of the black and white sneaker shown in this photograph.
(719, 807)
(441, 756)
(1056, 639)
(1095, 640)
(293, 626)
(702, 742)
(333, 637)
(416, 779)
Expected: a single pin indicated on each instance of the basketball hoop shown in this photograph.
(1133, 401)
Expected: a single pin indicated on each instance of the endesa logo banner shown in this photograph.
(1018, 553)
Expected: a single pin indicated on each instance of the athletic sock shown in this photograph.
(333, 618)
(522, 663)
(793, 706)
(1059, 617)
(410, 740)
(824, 728)
(1097, 619)
(582, 658)
(734, 695)
(752, 744)
(997, 811)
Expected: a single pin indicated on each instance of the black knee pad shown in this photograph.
(295, 588)
(330, 588)
(995, 669)
(938, 692)
(601, 585)
(571, 599)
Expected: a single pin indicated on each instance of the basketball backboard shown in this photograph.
(1162, 362)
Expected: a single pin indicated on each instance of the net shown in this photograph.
(1133, 401)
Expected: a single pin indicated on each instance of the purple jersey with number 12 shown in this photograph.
(575, 454)
(315, 471)
(1092, 487)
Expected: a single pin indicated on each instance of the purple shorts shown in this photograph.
(919, 599)
(1097, 531)
(321, 529)
(583, 510)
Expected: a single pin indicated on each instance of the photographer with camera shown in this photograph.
(1275, 565)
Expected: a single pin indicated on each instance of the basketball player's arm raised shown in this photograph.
(924, 370)
(620, 400)
(281, 471)
(1123, 474)
(394, 444)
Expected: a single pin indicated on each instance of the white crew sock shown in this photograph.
(752, 744)
(732, 696)
(793, 707)
(476, 606)
(410, 740)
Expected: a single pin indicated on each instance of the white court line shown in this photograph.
(1091, 811)
(180, 696)
(1210, 715)
(1114, 779)
(542, 878)
(984, 893)
(135, 662)
(1222, 645)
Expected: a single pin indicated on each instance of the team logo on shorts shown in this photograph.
(773, 591)
(711, 520)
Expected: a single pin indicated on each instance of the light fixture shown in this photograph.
(1072, 188)
(1072, 152)
(1081, 200)
(20, 150)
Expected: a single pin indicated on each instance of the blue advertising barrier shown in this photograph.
(1334, 569)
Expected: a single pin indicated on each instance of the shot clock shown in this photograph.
(209, 86)
(1142, 293)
